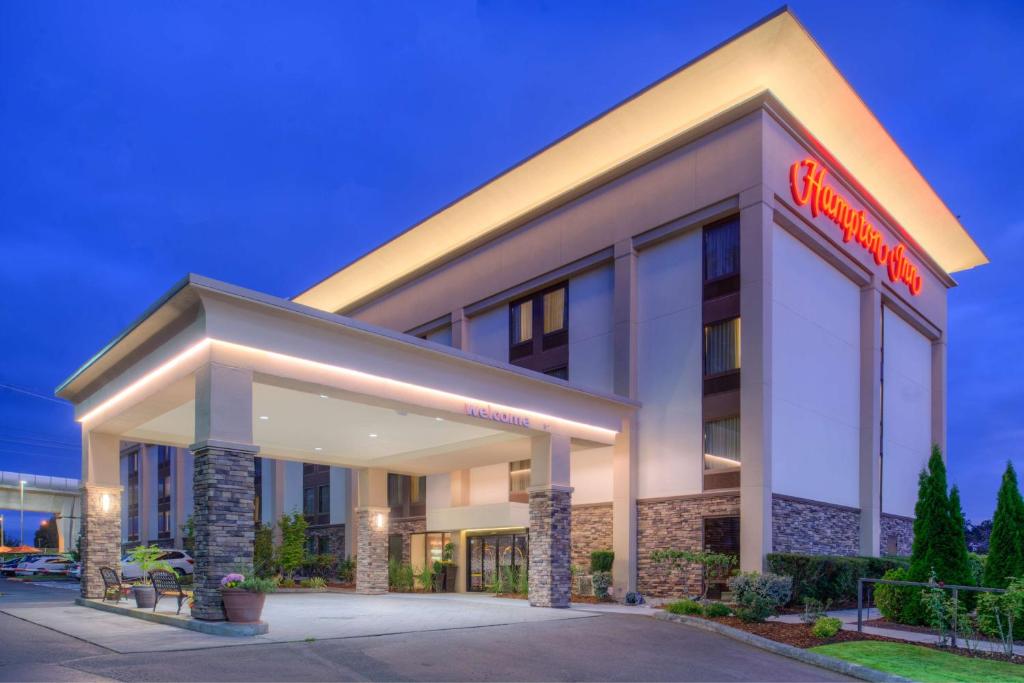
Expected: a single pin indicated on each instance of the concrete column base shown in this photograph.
(372, 550)
(550, 527)
(101, 536)
(223, 484)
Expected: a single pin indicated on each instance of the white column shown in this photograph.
(101, 509)
(372, 531)
(870, 419)
(624, 482)
(756, 232)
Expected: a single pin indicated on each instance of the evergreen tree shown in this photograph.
(939, 544)
(1006, 544)
(960, 562)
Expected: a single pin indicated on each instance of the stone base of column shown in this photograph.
(223, 484)
(101, 536)
(372, 551)
(550, 529)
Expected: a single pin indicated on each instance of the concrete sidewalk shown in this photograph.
(293, 617)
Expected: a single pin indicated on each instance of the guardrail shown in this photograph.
(39, 482)
(955, 588)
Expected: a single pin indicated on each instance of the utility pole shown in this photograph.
(22, 531)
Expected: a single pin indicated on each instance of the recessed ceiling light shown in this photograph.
(264, 417)
(317, 449)
(323, 395)
(439, 419)
(373, 436)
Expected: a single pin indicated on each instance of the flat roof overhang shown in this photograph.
(776, 56)
(331, 389)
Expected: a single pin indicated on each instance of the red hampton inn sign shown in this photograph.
(807, 183)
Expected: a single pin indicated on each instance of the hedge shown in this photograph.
(829, 577)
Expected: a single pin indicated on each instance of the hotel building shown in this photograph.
(713, 316)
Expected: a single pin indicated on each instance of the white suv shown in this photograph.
(180, 561)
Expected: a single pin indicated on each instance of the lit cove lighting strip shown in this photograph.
(206, 343)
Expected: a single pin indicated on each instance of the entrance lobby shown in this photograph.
(230, 373)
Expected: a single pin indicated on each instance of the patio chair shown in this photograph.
(166, 583)
(112, 585)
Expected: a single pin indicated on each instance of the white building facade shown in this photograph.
(713, 317)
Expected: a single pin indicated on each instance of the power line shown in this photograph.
(33, 393)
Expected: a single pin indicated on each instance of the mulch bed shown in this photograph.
(799, 635)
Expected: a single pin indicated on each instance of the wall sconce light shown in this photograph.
(105, 502)
(378, 521)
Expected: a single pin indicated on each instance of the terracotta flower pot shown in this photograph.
(145, 596)
(241, 605)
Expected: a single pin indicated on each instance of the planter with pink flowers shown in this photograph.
(244, 597)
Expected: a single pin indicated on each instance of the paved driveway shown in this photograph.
(511, 645)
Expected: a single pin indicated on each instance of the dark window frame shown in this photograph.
(543, 352)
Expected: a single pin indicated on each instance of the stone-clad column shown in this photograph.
(222, 481)
(101, 535)
(224, 506)
(372, 550)
(550, 522)
(371, 531)
(101, 509)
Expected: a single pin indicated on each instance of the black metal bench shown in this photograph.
(111, 584)
(166, 583)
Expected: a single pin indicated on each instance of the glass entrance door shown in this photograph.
(488, 555)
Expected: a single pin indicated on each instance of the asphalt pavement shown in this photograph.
(608, 647)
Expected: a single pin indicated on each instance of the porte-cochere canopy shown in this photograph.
(229, 373)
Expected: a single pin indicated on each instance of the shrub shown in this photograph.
(1006, 544)
(826, 627)
(315, 582)
(814, 609)
(319, 565)
(829, 577)
(347, 571)
(684, 607)
(601, 581)
(293, 542)
(716, 609)
(714, 567)
(1001, 615)
(758, 596)
(901, 604)
(634, 598)
(601, 561)
(263, 552)
(400, 576)
(977, 564)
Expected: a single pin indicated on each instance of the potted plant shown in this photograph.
(450, 568)
(146, 558)
(244, 596)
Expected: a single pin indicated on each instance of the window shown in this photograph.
(721, 250)
(554, 311)
(519, 481)
(133, 495)
(547, 312)
(164, 523)
(395, 547)
(308, 502)
(722, 347)
(721, 535)
(722, 453)
(522, 321)
(407, 495)
(258, 489)
(323, 500)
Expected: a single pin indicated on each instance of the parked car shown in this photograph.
(180, 561)
(8, 566)
(43, 564)
(75, 571)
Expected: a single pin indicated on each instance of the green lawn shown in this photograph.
(922, 663)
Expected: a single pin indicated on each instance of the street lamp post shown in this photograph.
(2, 534)
(22, 530)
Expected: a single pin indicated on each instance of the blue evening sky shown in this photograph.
(267, 144)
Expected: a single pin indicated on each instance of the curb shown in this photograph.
(831, 663)
(213, 628)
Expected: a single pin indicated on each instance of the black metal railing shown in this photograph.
(956, 597)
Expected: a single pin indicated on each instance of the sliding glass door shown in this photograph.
(491, 554)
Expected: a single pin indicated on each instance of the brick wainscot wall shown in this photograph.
(675, 523)
(591, 530)
(814, 528)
